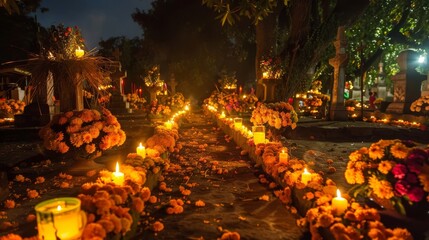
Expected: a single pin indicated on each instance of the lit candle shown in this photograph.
(265, 75)
(284, 157)
(168, 125)
(118, 177)
(60, 218)
(258, 134)
(141, 151)
(222, 115)
(339, 204)
(305, 176)
(79, 52)
(238, 122)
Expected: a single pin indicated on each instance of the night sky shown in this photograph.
(97, 19)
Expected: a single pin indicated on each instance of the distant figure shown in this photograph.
(372, 98)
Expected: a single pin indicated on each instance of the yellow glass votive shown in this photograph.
(258, 134)
(238, 122)
(60, 218)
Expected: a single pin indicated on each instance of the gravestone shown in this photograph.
(339, 62)
(118, 102)
(406, 83)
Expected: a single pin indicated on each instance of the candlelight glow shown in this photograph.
(117, 167)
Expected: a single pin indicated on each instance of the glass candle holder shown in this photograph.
(60, 218)
(258, 134)
(238, 122)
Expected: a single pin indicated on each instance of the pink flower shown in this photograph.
(399, 171)
(416, 194)
(401, 188)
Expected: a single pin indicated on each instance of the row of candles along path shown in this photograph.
(62, 218)
(258, 134)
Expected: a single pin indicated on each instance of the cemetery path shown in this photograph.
(211, 166)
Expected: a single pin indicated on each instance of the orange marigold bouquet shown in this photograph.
(10, 107)
(156, 108)
(83, 132)
(176, 101)
(392, 170)
(278, 115)
(421, 105)
(357, 223)
(135, 100)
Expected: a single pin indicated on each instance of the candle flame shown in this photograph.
(140, 146)
(338, 193)
(283, 151)
(305, 170)
(59, 208)
(117, 167)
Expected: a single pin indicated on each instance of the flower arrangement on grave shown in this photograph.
(313, 102)
(316, 86)
(157, 109)
(177, 101)
(271, 68)
(358, 222)
(10, 107)
(275, 116)
(83, 133)
(152, 79)
(278, 115)
(136, 102)
(231, 103)
(62, 56)
(393, 171)
(214, 99)
(421, 105)
(249, 100)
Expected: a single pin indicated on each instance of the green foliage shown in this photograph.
(385, 29)
(230, 11)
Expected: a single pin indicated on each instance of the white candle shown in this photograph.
(339, 204)
(305, 176)
(141, 151)
(117, 176)
(283, 156)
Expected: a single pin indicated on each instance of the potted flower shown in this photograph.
(393, 172)
(276, 116)
(82, 134)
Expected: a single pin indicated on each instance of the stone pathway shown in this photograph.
(213, 169)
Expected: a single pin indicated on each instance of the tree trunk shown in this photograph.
(266, 36)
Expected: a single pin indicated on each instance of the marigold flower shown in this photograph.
(384, 167)
(9, 203)
(145, 193)
(93, 230)
(32, 194)
(200, 203)
(375, 152)
(157, 226)
(399, 150)
(230, 236)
